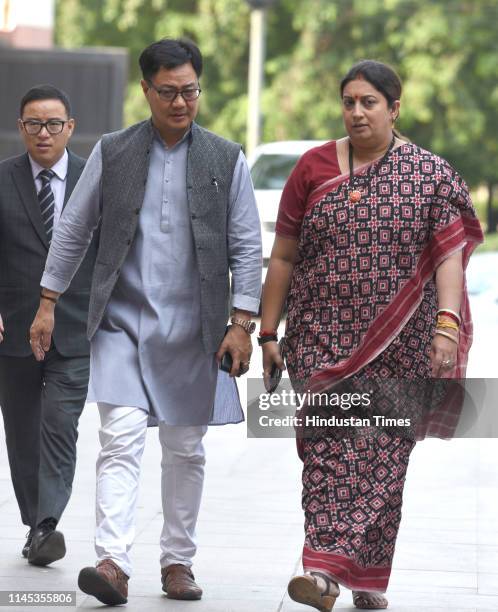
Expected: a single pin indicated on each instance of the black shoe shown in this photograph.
(29, 539)
(48, 544)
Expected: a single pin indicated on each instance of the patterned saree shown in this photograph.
(362, 307)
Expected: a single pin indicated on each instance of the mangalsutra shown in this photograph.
(355, 194)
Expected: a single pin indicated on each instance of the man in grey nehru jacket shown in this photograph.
(177, 214)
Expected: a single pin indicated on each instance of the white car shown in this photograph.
(270, 166)
(482, 285)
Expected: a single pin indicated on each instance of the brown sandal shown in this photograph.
(305, 590)
(363, 600)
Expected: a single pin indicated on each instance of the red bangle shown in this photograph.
(450, 315)
(267, 332)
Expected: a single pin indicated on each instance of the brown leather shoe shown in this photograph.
(107, 582)
(179, 583)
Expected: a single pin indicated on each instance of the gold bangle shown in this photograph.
(446, 319)
(447, 324)
(447, 335)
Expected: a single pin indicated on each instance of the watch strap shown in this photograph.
(248, 325)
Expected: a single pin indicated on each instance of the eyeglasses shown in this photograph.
(169, 95)
(53, 126)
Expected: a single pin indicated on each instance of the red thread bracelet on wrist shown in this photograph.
(267, 332)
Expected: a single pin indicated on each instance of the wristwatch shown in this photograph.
(248, 326)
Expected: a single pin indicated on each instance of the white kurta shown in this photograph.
(148, 349)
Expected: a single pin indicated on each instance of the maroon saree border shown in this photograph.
(345, 571)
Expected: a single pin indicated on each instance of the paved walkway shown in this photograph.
(250, 528)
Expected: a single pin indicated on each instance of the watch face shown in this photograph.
(251, 326)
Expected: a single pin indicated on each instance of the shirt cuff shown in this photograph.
(53, 284)
(244, 302)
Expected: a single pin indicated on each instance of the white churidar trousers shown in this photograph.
(122, 439)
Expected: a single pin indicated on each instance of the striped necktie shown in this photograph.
(47, 201)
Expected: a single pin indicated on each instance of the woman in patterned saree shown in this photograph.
(372, 240)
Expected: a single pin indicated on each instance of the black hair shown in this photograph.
(381, 76)
(45, 92)
(169, 53)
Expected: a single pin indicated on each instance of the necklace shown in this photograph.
(354, 193)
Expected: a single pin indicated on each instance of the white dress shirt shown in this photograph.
(58, 182)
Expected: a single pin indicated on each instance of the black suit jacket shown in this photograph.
(23, 251)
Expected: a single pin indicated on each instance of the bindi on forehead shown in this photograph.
(359, 97)
(360, 88)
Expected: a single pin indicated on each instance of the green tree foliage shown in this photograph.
(446, 52)
(218, 26)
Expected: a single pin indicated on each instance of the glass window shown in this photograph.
(271, 171)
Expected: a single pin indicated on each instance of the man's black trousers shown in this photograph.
(41, 403)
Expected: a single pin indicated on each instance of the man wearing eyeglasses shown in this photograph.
(41, 401)
(177, 215)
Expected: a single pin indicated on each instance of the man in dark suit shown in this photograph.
(41, 401)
